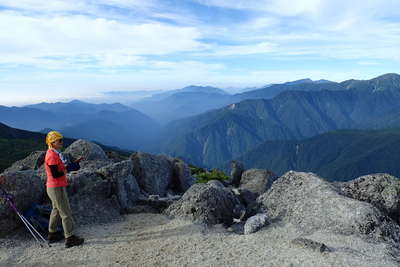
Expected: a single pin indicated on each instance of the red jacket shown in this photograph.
(52, 158)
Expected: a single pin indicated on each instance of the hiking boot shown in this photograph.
(55, 237)
(73, 241)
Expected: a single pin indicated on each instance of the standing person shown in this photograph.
(56, 190)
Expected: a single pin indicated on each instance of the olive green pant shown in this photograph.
(61, 210)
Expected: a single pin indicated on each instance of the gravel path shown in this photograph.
(155, 240)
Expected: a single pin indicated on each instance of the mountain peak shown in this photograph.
(75, 101)
(306, 80)
(388, 77)
(203, 89)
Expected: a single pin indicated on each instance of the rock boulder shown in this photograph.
(87, 150)
(91, 197)
(381, 190)
(32, 162)
(312, 204)
(207, 204)
(255, 223)
(153, 173)
(124, 183)
(255, 182)
(27, 188)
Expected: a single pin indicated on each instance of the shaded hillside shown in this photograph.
(337, 156)
(16, 144)
(300, 85)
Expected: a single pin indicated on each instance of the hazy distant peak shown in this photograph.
(75, 101)
(322, 81)
(307, 80)
(388, 77)
(203, 89)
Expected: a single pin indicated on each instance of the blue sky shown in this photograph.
(66, 49)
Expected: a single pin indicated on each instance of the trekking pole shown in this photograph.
(28, 225)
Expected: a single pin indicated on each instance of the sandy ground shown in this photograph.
(155, 240)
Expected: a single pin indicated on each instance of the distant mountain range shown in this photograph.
(216, 136)
(181, 103)
(337, 156)
(211, 127)
(110, 124)
(77, 107)
(193, 100)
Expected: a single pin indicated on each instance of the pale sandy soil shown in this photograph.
(155, 240)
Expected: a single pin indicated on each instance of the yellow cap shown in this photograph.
(52, 137)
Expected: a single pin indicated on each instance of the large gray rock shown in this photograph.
(255, 182)
(125, 184)
(154, 173)
(32, 162)
(85, 165)
(216, 183)
(92, 198)
(27, 189)
(94, 165)
(87, 150)
(237, 169)
(255, 223)
(207, 204)
(381, 190)
(312, 204)
(182, 179)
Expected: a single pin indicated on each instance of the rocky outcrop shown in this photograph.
(103, 188)
(207, 204)
(312, 204)
(27, 188)
(237, 169)
(87, 150)
(124, 183)
(32, 162)
(255, 182)
(154, 173)
(94, 165)
(182, 179)
(381, 190)
(91, 197)
(216, 183)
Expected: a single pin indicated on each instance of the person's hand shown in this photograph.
(2, 179)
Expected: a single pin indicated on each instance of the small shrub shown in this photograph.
(215, 174)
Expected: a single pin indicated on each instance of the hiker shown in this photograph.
(56, 171)
(2, 179)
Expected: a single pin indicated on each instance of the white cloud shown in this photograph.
(49, 7)
(74, 5)
(82, 46)
(240, 50)
(279, 7)
(320, 28)
(32, 38)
